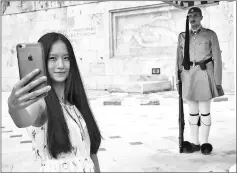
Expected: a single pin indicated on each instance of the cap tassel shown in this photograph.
(186, 61)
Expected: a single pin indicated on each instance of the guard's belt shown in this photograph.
(202, 63)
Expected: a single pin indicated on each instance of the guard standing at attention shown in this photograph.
(200, 63)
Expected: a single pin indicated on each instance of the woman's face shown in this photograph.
(58, 62)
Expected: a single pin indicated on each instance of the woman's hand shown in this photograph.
(21, 97)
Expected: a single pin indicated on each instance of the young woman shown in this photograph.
(65, 134)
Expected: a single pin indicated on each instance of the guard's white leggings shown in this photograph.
(202, 109)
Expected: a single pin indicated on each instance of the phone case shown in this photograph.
(30, 57)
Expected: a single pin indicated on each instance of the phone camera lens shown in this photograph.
(22, 45)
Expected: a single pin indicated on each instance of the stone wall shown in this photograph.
(15, 7)
(114, 41)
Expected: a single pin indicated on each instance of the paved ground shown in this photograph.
(140, 134)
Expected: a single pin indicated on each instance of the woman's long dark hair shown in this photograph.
(58, 140)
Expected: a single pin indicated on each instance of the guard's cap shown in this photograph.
(195, 9)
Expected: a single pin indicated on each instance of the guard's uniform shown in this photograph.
(198, 84)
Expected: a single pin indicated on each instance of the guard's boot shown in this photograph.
(206, 148)
(190, 147)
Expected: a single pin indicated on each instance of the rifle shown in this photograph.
(181, 114)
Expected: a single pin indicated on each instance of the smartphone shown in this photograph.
(30, 57)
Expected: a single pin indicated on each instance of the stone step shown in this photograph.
(136, 78)
(141, 87)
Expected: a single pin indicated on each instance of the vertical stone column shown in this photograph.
(234, 48)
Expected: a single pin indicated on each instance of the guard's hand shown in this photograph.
(20, 96)
(220, 90)
(177, 86)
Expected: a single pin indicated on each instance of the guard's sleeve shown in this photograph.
(179, 58)
(216, 53)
